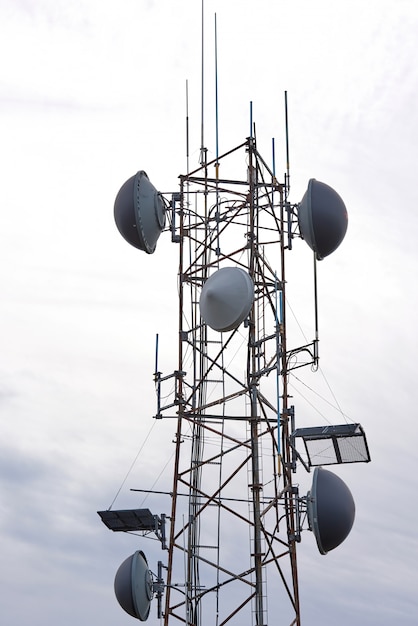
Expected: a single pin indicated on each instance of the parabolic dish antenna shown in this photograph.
(331, 510)
(226, 298)
(133, 586)
(322, 218)
(139, 212)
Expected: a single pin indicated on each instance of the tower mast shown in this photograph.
(226, 420)
(235, 517)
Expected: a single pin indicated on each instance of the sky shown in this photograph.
(90, 93)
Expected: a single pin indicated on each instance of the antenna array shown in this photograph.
(236, 513)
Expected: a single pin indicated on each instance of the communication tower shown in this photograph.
(230, 537)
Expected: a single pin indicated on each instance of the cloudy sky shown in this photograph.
(92, 91)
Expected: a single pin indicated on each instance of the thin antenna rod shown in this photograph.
(187, 126)
(202, 110)
(218, 248)
(316, 355)
(278, 314)
(216, 101)
(278, 320)
(156, 353)
(287, 186)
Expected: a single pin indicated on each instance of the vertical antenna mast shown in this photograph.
(218, 249)
(216, 102)
(287, 176)
(187, 125)
(316, 340)
(202, 105)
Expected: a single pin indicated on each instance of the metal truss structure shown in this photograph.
(234, 522)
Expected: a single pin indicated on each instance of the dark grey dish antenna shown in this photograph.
(322, 218)
(133, 586)
(331, 510)
(139, 212)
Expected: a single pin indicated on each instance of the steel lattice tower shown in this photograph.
(233, 528)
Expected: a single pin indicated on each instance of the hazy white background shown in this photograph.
(90, 92)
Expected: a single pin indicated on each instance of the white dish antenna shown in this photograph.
(226, 299)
